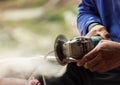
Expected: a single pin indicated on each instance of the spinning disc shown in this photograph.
(58, 47)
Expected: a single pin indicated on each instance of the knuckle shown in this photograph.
(102, 41)
(86, 66)
(102, 45)
(107, 35)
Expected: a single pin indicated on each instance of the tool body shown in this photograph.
(67, 51)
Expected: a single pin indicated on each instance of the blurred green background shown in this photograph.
(29, 27)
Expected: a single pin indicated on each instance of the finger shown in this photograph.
(87, 57)
(93, 62)
(81, 62)
(104, 35)
(100, 67)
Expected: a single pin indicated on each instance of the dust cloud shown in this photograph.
(19, 67)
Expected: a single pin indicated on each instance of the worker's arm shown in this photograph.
(89, 22)
(87, 14)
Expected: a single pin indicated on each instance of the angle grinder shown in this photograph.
(67, 51)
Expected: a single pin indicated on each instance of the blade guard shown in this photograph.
(58, 47)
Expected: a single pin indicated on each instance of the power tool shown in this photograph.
(67, 51)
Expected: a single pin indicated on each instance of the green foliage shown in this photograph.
(47, 26)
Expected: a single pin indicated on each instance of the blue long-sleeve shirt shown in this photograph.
(105, 12)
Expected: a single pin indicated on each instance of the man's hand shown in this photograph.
(104, 57)
(99, 30)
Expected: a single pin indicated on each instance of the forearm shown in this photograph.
(87, 14)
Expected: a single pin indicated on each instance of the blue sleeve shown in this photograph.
(87, 14)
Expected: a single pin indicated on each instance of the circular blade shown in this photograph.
(58, 47)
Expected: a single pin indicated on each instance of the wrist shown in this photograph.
(92, 25)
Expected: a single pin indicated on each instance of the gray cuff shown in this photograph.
(92, 25)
